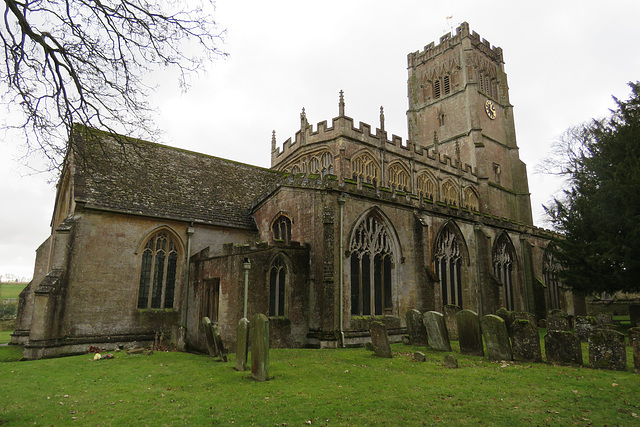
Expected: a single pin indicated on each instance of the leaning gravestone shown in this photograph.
(496, 338)
(208, 333)
(436, 331)
(506, 315)
(634, 315)
(563, 347)
(450, 361)
(558, 321)
(525, 341)
(380, 340)
(259, 347)
(450, 312)
(607, 350)
(584, 326)
(221, 351)
(525, 316)
(415, 328)
(469, 333)
(242, 344)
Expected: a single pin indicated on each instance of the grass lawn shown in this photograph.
(11, 290)
(318, 387)
(5, 337)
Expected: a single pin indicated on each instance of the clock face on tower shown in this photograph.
(490, 109)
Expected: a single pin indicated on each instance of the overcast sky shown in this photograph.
(564, 61)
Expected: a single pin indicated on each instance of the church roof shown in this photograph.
(144, 178)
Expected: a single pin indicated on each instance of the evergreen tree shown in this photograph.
(599, 216)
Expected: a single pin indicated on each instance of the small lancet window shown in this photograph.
(447, 84)
(158, 272)
(277, 288)
(282, 229)
(436, 88)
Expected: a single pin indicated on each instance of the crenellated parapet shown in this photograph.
(448, 41)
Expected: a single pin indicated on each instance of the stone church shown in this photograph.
(350, 224)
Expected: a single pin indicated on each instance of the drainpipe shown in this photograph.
(341, 202)
(246, 266)
(185, 303)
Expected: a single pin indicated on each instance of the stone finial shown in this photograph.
(341, 105)
(303, 120)
(273, 141)
(381, 118)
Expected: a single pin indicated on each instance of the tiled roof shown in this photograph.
(145, 178)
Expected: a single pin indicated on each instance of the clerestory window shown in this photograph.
(158, 272)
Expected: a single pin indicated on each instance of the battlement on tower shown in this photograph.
(448, 41)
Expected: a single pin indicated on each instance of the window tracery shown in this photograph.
(371, 265)
(158, 272)
(448, 266)
(282, 228)
(471, 199)
(365, 169)
(550, 270)
(426, 186)
(450, 193)
(503, 268)
(398, 177)
(319, 163)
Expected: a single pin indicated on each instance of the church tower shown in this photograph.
(459, 107)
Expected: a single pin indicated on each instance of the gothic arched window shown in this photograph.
(398, 177)
(471, 199)
(504, 269)
(450, 193)
(158, 272)
(426, 186)
(327, 163)
(282, 228)
(448, 266)
(277, 288)
(371, 264)
(550, 276)
(365, 169)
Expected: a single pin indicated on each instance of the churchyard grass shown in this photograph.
(317, 387)
(5, 336)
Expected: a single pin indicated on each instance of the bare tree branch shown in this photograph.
(85, 61)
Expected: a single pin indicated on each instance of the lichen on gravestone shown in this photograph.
(436, 331)
(380, 340)
(607, 350)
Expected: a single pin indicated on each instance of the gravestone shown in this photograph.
(563, 347)
(525, 341)
(242, 344)
(259, 336)
(450, 361)
(380, 340)
(634, 315)
(525, 316)
(415, 328)
(469, 333)
(436, 331)
(636, 356)
(542, 323)
(419, 356)
(604, 319)
(208, 333)
(584, 326)
(506, 315)
(496, 338)
(607, 350)
(558, 321)
(219, 347)
(450, 312)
